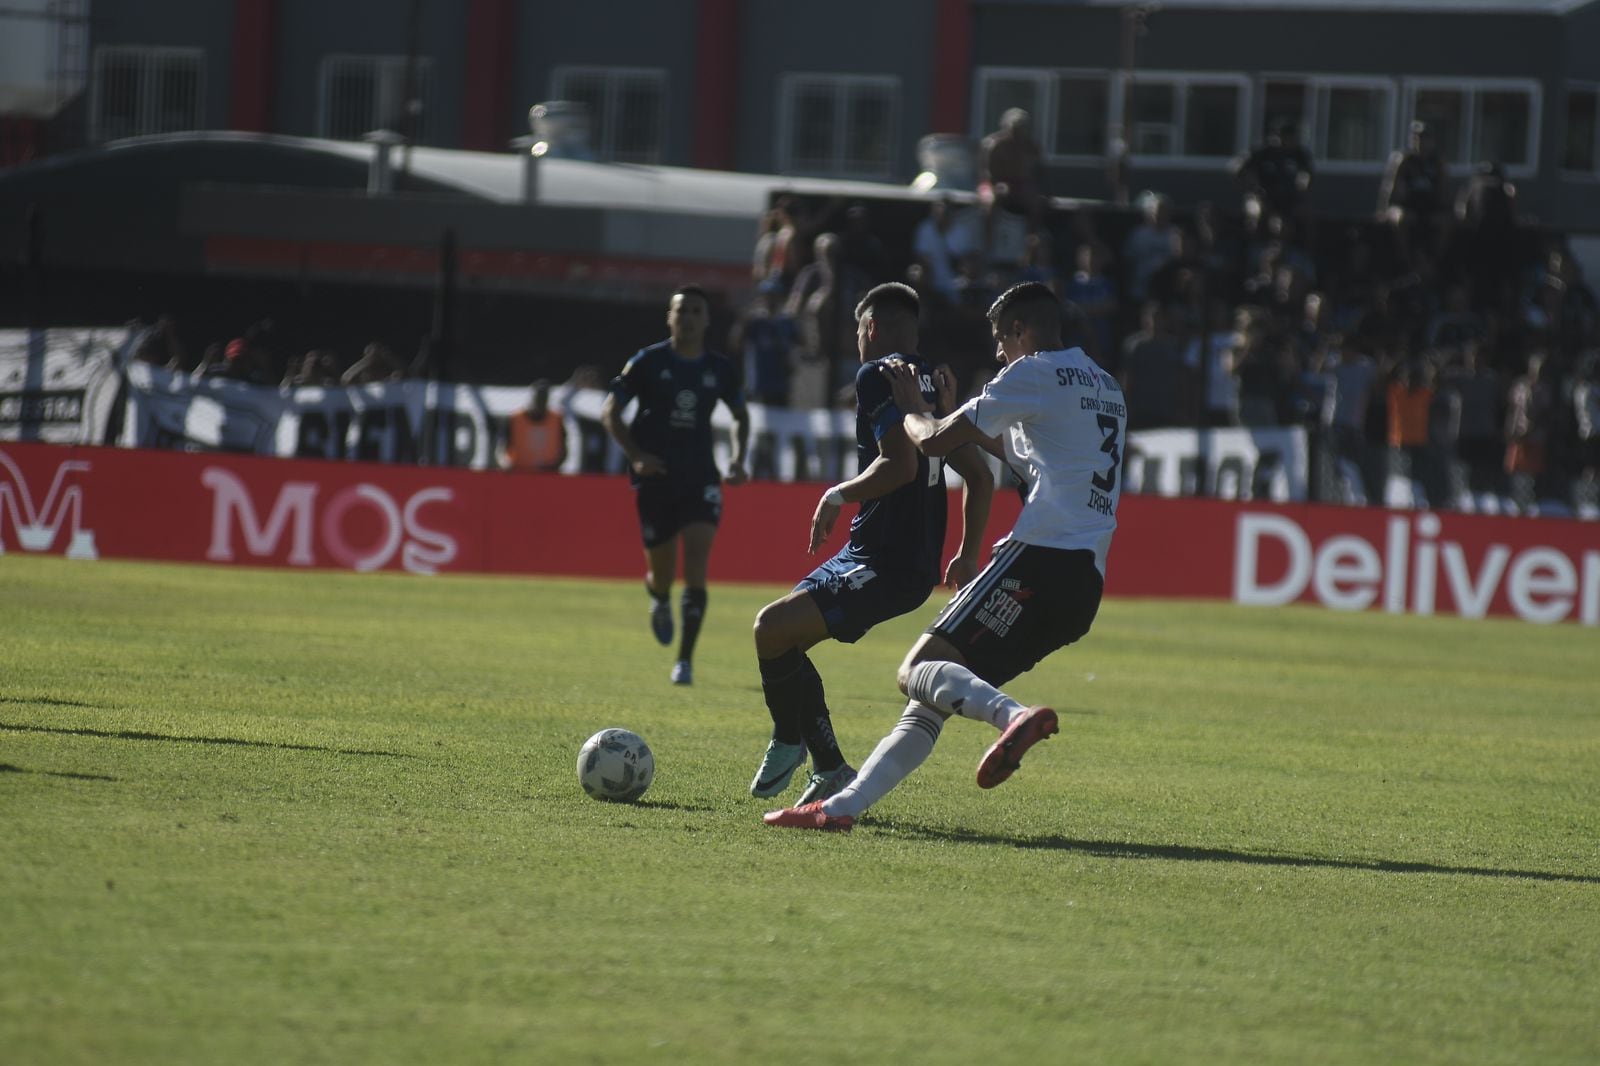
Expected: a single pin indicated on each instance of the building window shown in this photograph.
(1347, 124)
(359, 94)
(627, 109)
(138, 91)
(1481, 120)
(1069, 108)
(1578, 152)
(836, 125)
(1354, 124)
(1187, 117)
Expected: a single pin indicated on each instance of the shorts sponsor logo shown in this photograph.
(1000, 612)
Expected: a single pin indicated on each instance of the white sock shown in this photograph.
(905, 748)
(954, 689)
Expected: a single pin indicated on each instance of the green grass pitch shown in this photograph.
(268, 817)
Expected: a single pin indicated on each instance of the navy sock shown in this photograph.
(694, 612)
(777, 687)
(799, 707)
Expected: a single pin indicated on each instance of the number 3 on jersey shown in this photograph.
(1108, 429)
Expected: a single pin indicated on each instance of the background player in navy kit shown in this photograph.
(892, 561)
(1063, 419)
(676, 484)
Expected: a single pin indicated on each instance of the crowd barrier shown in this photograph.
(118, 503)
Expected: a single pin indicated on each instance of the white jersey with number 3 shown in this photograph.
(1063, 421)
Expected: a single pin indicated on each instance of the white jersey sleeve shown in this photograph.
(1064, 424)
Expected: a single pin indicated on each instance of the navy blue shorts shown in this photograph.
(665, 508)
(1025, 604)
(854, 595)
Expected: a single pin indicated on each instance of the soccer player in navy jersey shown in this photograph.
(889, 566)
(1060, 421)
(676, 483)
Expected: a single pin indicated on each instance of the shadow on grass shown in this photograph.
(668, 805)
(7, 768)
(1107, 849)
(44, 701)
(129, 734)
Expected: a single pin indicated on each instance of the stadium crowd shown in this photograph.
(1443, 341)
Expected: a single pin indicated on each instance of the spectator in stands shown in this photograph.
(1038, 263)
(536, 436)
(161, 346)
(1530, 409)
(1263, 380)
(1096, 296)
(766, 337)
(1276, 175)
(1409, 398)
(1011, 175)
(1480, 443)
(1355, 375)
(378, 363)
(248, 360)
(213, 363)
(1158, 386)
(1215, 342)
(939, 244)
(1487, 214)
(863, 260)
(1586, 413)
(1456, 324)
(317, 367)
(1148, 246)
(1415, 198)
(772, 246)
(816, 308)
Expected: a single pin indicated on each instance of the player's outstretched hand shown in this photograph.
(959, 572)
(648, 465)
(822, 523)
(907, 393)
(737, 475)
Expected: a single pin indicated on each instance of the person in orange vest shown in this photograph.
(536, 437)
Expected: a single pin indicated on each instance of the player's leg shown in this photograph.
(697, 538)
(784, 630)
(659, 530)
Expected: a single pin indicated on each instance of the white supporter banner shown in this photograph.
(59, 386)
(1239, 464)
(464, 426)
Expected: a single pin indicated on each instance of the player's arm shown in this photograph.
(642, 462)
(976, 495)
(895, 465)
(737, 474)
(933, 436)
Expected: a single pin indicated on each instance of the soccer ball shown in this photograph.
(616, 765)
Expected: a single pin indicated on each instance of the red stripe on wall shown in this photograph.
(716, 85)
(255, 42)
(952, 66)
(491, 29)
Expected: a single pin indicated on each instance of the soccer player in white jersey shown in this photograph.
(1058, 420)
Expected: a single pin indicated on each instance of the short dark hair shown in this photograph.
(690, 290)
(890, 296)
(1031, 303)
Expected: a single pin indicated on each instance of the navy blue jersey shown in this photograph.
(905, 529)
(676, 397)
